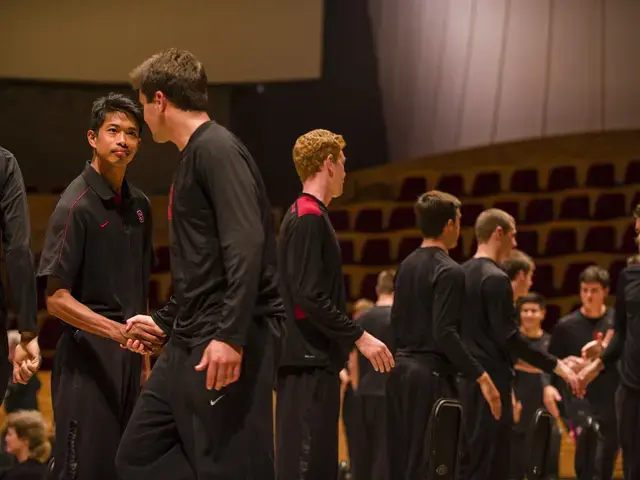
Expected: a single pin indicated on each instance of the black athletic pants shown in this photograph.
(6, 367)
(179, 430)
(486, 453)
(95, 384)
(413, 387)
(370, 455)
(596, 450)
(628, 411)
(519, 455)
(307, 412)
(353, 428)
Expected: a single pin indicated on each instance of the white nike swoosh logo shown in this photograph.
(213, 402)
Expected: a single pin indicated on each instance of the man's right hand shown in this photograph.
(143, 335)
(26, 360)
(490, 394)
(550, 398)
(568, 375)
(376, 352)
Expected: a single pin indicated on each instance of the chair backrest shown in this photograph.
(444, 435)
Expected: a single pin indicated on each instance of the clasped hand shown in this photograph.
(143, 335)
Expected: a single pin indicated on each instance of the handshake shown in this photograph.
(142, 335)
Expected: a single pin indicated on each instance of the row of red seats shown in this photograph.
(560, 241)
(607, 206)
(522, 181)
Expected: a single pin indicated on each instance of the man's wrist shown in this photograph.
(26, 337)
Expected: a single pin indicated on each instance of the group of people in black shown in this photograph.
(251, 313)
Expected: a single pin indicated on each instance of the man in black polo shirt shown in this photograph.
(207, 409)
(96, 262)
(16, 239)
(320, 335)
(490, 331)
(623, 354)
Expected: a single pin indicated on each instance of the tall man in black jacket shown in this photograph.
(319, 332)
(206, 411)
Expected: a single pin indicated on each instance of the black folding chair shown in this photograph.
(444, 439)
(538, 444)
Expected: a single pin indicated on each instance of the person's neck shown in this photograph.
(434, 242)
(384, 300)
(487, 251)
(184, 124)
(595, 312)
(22, 455)
(533, 332)
(318, 189)
(113, 175)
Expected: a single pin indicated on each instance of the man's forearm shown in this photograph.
(63, 306)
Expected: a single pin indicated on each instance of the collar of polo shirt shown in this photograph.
(100, 185)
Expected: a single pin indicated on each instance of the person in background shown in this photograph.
(591, 420)
(528, 388)
(26, 439)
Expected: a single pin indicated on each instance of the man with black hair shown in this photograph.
(490, 330)
(591, 420)
(520, 269)
(425, 317)
(96, 261)
(528, 387)
(206, 411)
(623, 353)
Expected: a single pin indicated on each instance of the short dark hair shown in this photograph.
(386, 282)
(595, 274)
(176, 73)
(636, 211)
(532, 297)
(516, 263)
(115, 102)
(489, 220)
(633, 260)
(433, 211)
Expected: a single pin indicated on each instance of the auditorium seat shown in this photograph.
(525, 181)
(601, 175)
(512, 208)
(368, 286)
(412, 188)
(562, 178)
(632, 174)
(570, 284)
(376, 251)
(470, 212)
(543, 280)
(538, 210)
(347, 252)
(634, 203)
(551, 318)
(369, 220)
(614, 272)
(628, 241)
(453, 184)
(575, 207)
(528, 242)
(486, 183)
(347, 285)
(600, 239)
(561, 241)
(406, 246)
(402, 218)
(610, 205)
(163, 263)
(339, 220)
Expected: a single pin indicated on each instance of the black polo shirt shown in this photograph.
(99, 246)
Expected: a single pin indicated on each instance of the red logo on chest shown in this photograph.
(140, 216)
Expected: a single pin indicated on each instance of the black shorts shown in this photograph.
(181, 431)
(95, 384)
